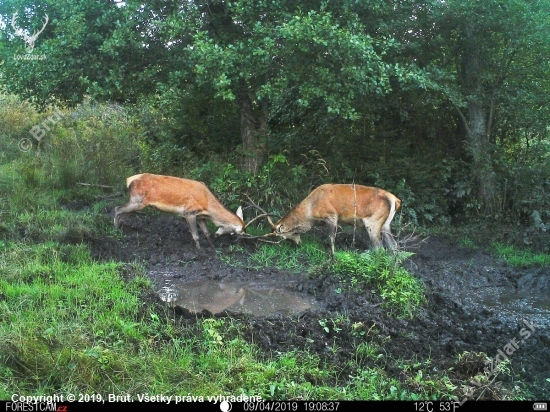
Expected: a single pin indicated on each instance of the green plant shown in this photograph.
(357, 329)
(324, 325)
(403, 293)
(228, 258)
(367, 350)
(466, 243)
(211, 331)
(277, 186)
(519, 257)
(286, 256)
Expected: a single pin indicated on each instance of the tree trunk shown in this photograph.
(478, 123)
(252, 130)
(481, 150)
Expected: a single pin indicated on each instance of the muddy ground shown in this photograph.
(476, 303)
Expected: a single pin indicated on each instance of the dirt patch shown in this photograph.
(476, 303)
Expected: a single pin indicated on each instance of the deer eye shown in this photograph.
(281, 228)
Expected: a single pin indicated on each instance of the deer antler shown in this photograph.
(264, 213)
(36, 33)
(18, 31)
(28, 39)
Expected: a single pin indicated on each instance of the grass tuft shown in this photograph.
(519, 257)
(403, 293)
(286, 256)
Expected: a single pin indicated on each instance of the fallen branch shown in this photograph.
(261, 238)
(94, 185)
(270, 241)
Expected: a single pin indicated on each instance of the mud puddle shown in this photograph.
(254, 298)
(521, 304)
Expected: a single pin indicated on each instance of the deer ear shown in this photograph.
(240, 212)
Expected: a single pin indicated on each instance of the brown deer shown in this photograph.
(345, 203)
(184, 197)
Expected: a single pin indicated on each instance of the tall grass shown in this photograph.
(17, 117)
(94, 144)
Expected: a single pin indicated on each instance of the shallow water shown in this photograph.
(521, 301)
(256, 298)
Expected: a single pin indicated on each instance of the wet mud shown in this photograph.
(475, 303)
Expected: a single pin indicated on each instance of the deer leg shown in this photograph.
(192, 223)
(389, 239)
(204, 228)
(373, 229)
(386, 230)
(332, 223)
(121, 212)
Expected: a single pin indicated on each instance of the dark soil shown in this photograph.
(476, 303)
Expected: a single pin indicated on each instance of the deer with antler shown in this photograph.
(338, 203)
(28, 39)
(183, 197)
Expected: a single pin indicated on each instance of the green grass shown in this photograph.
(402, 292)
(466, 243)
(519, 257)
(69, 324)
(283, 256)
(287, 256)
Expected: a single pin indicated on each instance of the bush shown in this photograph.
(525, 194)
(278, 186)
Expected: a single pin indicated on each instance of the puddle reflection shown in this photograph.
(254, 298)
(522, 301)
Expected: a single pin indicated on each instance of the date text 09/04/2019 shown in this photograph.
(290, 406)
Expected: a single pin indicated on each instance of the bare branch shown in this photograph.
(247, 236)
(261, 210)
(94, 185)
(256, 218)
